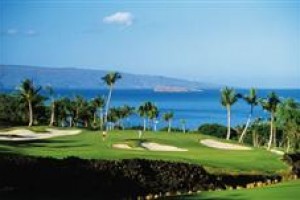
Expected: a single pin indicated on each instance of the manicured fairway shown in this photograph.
(89, 144)
(283, 191)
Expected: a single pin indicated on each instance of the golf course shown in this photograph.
(90, 145)
(171, 147)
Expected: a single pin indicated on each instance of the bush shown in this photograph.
(173, 129)
(216, 130)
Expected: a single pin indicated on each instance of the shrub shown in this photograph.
(217, 130)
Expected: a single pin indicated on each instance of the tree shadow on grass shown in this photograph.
(41, 143)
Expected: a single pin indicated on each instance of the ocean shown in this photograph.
(195, 108)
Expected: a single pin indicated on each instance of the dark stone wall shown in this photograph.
(99, 178)
(294, 161)
(73, 178)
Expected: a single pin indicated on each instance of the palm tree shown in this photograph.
(110, 79)
(270, 104)
(142, 111)
(168, 118)
(125, 111)
(97, 103)
(288, 118)
(62, 110)
(50, 90)
(153, 114)
(29, 93)
(251, 100)
(228, 98)
(183, 122)
(79, 102)
(86, 112)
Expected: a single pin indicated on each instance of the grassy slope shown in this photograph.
(283, 191)
(89, 144)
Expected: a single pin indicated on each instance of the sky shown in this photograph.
(236, 43)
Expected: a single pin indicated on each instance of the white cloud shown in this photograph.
(30, 32)
(121, 18)
(11, 31)
(16, 32)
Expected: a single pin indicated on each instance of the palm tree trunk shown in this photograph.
(169, 128)
(101, 119)
(70, 122)
(274, 135)
(30, 113)
(288, 145)
(95, 118)
(271, 132)
(52, 114)
(107, 107)
(228, 123)
(245, 129)
(154, 125)
(145, 124)
(254, 138)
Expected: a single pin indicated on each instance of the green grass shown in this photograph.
(283, 191)
(89, 145)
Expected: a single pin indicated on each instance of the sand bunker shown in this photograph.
(222, 145)
(27, 135)
(277, 152)
(121, 146)
(159, 147)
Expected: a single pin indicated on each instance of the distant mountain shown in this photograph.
(74, 78)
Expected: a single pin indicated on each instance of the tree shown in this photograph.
(270, 104)
(85, 113)
(79, 103)
(256, 127)
(228, 98)
(168, 116)
(63, 110)
(110, 79)
(146, 112)
(288, 118)
(183, 122)
(51, 93)
(125, 112)
(29, 93)
(12, 110)
(153, 114)
(96, 104)
(251, 100)
(142, 111)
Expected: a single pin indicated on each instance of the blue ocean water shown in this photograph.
(195, 108)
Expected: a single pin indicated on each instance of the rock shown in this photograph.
(149, 197)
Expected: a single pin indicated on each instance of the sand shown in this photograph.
(221, 145)
(27, 135)
(151, 146)
(121, 146)
(277, 152)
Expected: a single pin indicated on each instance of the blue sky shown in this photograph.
(237, 43)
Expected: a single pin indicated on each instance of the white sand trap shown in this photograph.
(222, 145)
(27, 135)
(277, 152)
(121, 146)
(159, 147)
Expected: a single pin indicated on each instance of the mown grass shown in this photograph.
(89, 144)
(283, 191)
